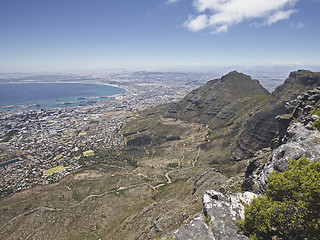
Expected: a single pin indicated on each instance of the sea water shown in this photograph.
(53, 95)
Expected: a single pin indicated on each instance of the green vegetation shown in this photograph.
(51, 171)
(286, 116)
(290, 209)
(117, 157)
(316, 124)
(310, 72)
(315, 112)
(143, 140)
(174, 143)
(208, 220)
(172, 165)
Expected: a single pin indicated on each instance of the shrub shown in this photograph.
(316, 124)
(315, 112)
(290, 209)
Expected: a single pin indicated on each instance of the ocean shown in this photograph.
(54, 95)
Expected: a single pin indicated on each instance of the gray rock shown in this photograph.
(297, 137)
(315, 118)
(300, 142)
(217, 221)
(283, 122)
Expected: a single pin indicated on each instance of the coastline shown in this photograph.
(23, 106)
(96, 83)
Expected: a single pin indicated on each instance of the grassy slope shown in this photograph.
(136, 212)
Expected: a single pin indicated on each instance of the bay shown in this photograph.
(53, 95)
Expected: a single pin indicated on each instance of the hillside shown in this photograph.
(220, 101)
(261, 128)
(221, 108)
(300, 139)
(173, 154)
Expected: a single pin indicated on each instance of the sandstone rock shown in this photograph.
(217, 221)
(283, 122)
(300, 142)
(315, 117)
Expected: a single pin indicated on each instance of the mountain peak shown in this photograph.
(235, 76)
(216, 102)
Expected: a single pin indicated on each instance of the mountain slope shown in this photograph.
(300, 138)
(218, 101)
(262, 126)
(179, 151)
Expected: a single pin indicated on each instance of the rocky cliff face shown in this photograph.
(262, 126)
(298, 138)
(217, 219)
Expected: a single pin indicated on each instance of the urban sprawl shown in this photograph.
(38, 147)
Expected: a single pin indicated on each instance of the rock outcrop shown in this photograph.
(262, 126)
(217, 220)
(298, 137)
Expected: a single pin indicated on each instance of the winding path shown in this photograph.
(169, 181)
(196, 158)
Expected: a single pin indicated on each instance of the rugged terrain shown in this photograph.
(260, 130)
(173, 155)
(300, 137)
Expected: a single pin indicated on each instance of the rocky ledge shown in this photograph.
(298, 137)
(217, 220)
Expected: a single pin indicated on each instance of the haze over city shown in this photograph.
(68, 35)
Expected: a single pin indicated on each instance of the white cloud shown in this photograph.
(197, 23)
(298, 25)
(220, 15)
(172, 1)
(280, 15)
(221, 29)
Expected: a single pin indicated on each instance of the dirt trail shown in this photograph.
(169, 181)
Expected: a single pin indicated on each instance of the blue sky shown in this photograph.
(62, 35)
